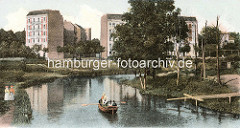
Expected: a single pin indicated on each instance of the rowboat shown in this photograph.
(108, 109)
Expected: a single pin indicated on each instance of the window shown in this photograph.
(113, 24)
(38, 33)
(29, 20)
(44, 33)
(44, 40)
(33, 27)
(28, 40)
(44, 19)
(38, 19)
(33, 19)
(110, 24)
(38, 27)
(29, 34)
(29, 27)
(44, 26)
(33, 40)
(38, 40)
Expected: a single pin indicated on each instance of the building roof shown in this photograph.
(38, 12)
(79, 26)
(188, 18)
(114, 16)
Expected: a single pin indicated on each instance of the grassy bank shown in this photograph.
(165, 86)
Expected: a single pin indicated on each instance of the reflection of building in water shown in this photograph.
(76, 91)
(117, 92)
(47, 98)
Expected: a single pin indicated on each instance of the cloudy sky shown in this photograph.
(87, 13)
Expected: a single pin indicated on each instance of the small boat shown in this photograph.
(108, 108)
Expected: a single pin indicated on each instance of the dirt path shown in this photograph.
(7, 118)
(233, 80)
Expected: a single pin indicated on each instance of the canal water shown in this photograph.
(59, 104)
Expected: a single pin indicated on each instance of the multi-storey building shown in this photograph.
(72, 31)
(44, 28)
(192, 38)
(88, 32)
(108, 23)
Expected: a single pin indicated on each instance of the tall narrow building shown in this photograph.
(192, 39)
(44, 28)
(108, 23)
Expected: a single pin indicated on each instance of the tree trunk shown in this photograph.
(145, 78)
(178, 70)
(203, 57)
(140, 77)
(154, 73)
(217, 52)
(218, 66)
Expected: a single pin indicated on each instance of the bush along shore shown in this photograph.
(165, 86)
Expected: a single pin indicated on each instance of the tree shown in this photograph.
(81, 48)
(181, 30)
(212, 39)
(148, 26)
(45, 50)
(185, 49)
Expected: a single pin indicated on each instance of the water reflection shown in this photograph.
(58, 104)
(47, 99)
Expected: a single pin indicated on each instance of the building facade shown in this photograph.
(44, 28)
(192, 38)
(108, 23)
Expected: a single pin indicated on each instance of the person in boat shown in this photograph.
(103, 99)
(111, 103)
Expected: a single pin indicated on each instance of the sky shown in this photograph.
(87, 13)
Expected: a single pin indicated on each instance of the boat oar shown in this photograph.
(122, 102)
(90, 104)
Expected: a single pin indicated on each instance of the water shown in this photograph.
(59, 104)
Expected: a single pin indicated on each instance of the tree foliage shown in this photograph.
(13, 45)
(148, 30)
(82, 48)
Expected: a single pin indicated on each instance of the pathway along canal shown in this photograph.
(58, 104)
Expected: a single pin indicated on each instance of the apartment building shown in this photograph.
(192, 38)
(44, 28)
(108, 23)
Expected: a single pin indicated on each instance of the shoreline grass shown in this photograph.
(165, 86)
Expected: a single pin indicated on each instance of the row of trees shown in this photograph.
(13, 45)
(152, 27)
(82, 48)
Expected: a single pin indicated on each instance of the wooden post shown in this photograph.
(229, 99)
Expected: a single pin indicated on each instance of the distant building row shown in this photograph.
(47, 29)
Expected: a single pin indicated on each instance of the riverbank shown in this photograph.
(165, 86)
(36, 74)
